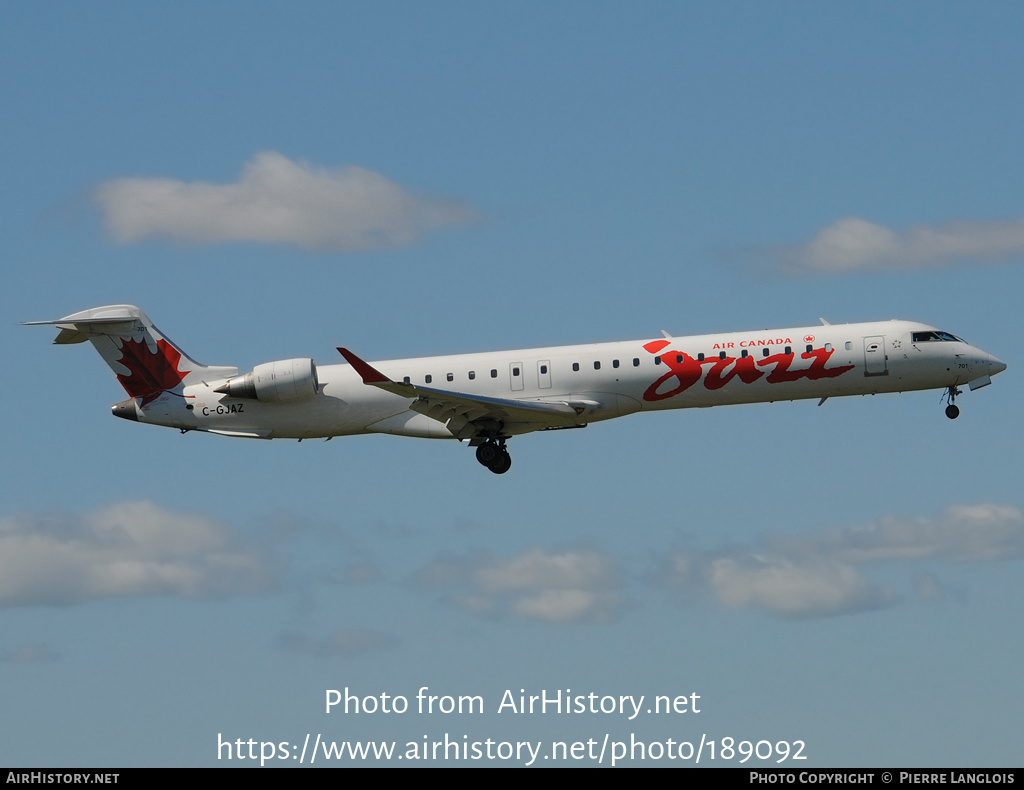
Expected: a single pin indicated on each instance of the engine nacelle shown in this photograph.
(274, 382)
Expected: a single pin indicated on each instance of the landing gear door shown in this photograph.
(874, 356)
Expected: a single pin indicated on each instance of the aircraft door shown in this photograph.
(544, 374)
(874, 356)
(515, 375)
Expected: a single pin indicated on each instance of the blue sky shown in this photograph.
(270, 181)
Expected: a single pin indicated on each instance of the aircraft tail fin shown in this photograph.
(145, 361)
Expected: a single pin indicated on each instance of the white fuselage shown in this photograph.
(599, 381)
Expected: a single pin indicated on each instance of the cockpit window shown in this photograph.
(925, 337)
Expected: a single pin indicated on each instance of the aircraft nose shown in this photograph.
(995, 365)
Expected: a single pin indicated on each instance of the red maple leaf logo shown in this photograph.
(152, 372)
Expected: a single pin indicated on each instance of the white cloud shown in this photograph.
(277, 200)
(126, 549)
(853, 244)
(823, 573)
(959, 533)
(568, 586)
(793, 589)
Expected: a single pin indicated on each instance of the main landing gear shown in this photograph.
(952, 410)
(494, 456)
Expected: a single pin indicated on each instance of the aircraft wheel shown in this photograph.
(952, 411)
(486, 453)
(502, 463)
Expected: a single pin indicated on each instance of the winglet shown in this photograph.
(369, 373)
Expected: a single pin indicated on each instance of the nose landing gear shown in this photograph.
(494, 456)
(952, 410)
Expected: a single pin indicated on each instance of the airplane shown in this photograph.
(485, 399)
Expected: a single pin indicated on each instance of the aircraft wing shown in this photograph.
(469, 416)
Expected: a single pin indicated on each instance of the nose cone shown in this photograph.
(995, 365)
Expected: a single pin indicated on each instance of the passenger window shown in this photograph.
(789, 349)
(636, 362)
(700, 357)
(450, 377)
(494, 373)
(576, 366)
(657, 360)
(597, 366)
(515, 371)
(743, 353)
(428, 378)
(615, 363)
(472, 375)
(849, 346)
(828, 347)
(810, 348)
(765, 352)
(406, 380)
(543, 370)
(721, 355)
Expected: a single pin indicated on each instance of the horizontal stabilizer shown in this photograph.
(75, 328)
(144, 360)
